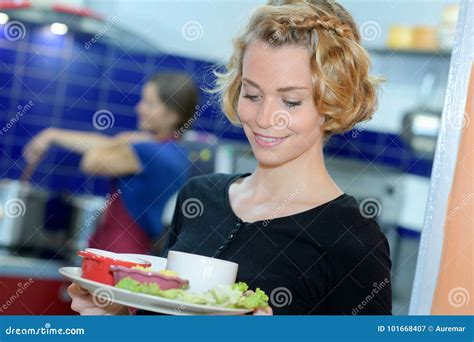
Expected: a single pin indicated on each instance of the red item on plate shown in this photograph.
(96, 267)
(164, 282)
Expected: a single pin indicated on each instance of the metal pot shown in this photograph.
(86, 216)
(21, 214)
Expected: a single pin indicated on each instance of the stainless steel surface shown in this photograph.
(23, 214)
(86, 216)
(420, 126)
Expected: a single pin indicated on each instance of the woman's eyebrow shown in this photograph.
(246, 80)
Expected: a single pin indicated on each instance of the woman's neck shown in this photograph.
(163, 135)
(305, 176)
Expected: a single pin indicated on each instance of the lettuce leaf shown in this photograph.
(235, 296)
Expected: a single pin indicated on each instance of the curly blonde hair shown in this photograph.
(344, 92)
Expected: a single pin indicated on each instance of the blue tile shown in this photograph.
(129, 57)
(122, 75)
(26, 130)
(6, 81)
(122, 97)
(86, 93)
(367, 137)
(43, 63)
(4, 102)
(7, 56)
(42, 36)
(39, 86)
(85, 68)
(42, 112)
(168, 62)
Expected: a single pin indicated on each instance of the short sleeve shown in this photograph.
(149, 153)
(359, 273)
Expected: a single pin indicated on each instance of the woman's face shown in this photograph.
(276, 106)
(153, 114)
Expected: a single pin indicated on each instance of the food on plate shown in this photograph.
(144, 275)
(236, 296)
(96, 264)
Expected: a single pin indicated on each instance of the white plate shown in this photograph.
(107, 294)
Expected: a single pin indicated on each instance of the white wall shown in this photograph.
(162, 21)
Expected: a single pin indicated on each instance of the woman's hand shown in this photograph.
(84, 303)
(37, 147)
(263, 312)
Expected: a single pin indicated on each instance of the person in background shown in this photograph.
(146, 167)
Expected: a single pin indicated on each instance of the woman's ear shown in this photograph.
(173, 119)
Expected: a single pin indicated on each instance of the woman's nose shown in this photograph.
(265, 114)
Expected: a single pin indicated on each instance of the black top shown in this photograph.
(323, 261)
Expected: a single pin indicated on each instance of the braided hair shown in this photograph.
(344, 92)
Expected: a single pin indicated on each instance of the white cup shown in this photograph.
(203, 273)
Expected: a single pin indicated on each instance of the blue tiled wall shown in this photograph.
(68, 83)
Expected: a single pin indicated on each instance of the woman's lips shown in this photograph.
(268, 141)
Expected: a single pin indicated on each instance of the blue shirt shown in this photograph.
(164, 170)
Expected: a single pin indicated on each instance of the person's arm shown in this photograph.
(102, 155)
(76, 141)
(115, 159)
(120, 157)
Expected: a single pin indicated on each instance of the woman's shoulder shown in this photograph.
(349, 224)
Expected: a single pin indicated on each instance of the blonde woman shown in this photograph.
(297, 75)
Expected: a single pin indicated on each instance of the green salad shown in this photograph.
(236, 296)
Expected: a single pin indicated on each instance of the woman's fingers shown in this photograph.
(83, 303)
(75, 291)
(263, 312)
(81, 299)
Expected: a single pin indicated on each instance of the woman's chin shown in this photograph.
(269, 159)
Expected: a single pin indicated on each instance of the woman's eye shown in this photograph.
(291, 104)
(252, 98)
